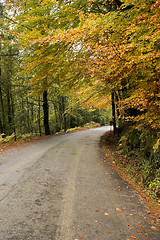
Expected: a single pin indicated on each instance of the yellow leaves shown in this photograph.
(104, 50)
(13, 33)
(81, 16)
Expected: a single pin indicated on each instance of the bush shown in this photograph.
(156, 153)
(91, 125)
(154, 187)
(7, 139)
(73, 129)
(142, 145)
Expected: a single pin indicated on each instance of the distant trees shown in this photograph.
(85, 50)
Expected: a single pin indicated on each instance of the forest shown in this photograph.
(66, 63)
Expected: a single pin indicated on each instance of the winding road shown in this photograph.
(62, 188)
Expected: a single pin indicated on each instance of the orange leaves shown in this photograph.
(106, 214)
(142, 18)
(96, 53)
(118, 209)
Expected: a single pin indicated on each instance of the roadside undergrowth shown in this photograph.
(9, 142)
(124, 165)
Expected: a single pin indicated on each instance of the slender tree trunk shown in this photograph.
(39, 116)
(1, 127)
(46, 113)
(9, 110)
(32, 118)
(64, 115)
(56, 116)
(2, 106)
(13, 121)
(61, 112)
(113, 112)
(28, 117)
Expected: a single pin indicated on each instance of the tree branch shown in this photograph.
(39, 3)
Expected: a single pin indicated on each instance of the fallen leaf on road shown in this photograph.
(118, 209)
(141, 226)
(133, 237)
(97, 211)
(108, 232)
(107, 214)
(154, 228)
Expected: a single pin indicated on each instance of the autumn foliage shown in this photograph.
(95, 52)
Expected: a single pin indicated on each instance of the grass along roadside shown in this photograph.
(122, 165)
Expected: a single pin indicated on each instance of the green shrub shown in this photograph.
(133, 139)
(92, 124)
(156, 154)
(142, 145)
(154, 187)
(73, 129)
(8, 139)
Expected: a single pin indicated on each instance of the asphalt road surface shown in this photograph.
(63, 189)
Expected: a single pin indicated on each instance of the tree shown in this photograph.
(87, 42)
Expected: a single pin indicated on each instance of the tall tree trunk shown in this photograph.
(56, 116)
(28, 117)
(2, 106)
(32, 117)
(9, 110)
(113, 112)
(39, 116)
(60, 112)
(13, 120)
(1, 127)
(64, 114)
(45, 113)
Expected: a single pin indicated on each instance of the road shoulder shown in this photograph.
(112, 154)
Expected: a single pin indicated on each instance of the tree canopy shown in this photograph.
(93, 48)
